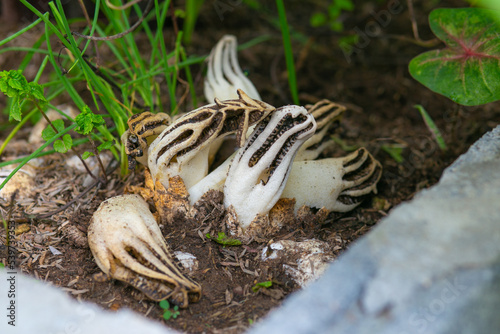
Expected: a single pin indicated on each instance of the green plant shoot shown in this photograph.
(258, 286)
(332, 15)
(394, 151)
(61, 146)
(14, 85)
(224, 240)
(169, 313)
(87, 120)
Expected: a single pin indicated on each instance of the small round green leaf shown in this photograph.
(105, 145)
(317, 20)
(167, 315)
(86, 155)
(49, 132)
(468, 69)
(64, 145)
(164, 304)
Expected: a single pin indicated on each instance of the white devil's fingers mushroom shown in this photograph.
(337, 184)
(127, 245)
(143, 128)
(184, 147)
(326, 114)
(224, 75)
(260, 169)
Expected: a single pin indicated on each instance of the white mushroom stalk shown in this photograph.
(127, 245)
(213, 181)
(260, 169)
(184, 147)
(224, 75)
(337, 184)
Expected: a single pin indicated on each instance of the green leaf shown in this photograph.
(49, 132)
(62, 146)
(87, 120)
(336, 26)
(334, 12)
(2, 265)
(258, 286)
(345, 4)
(317, 20)
(12, 83)
(36, 91)
(15, 109)
(87, 154)
(58, 124)
(224, 240)
(467, 70)
(105, 146)
(164, 304)
(180, 13)
(167, 315)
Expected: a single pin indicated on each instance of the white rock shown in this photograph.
(312, 257)
(75, 163)
(23, 181)
(188, 260)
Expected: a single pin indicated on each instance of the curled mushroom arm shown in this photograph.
(327, 114)
(337, 184)
(143, 128)
(260, 169)
(224, 75)
(127, 244)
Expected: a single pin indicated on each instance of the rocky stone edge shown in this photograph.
(431, 266)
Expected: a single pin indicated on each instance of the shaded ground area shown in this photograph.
(379, 93)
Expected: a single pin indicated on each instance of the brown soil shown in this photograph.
(380, 94)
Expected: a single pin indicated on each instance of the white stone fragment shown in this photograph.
(187, 260)
(311, 256)
(23, 181)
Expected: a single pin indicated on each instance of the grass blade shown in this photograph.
(432, 126)
(287, 45)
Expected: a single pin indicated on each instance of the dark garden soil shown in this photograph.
(373, 82)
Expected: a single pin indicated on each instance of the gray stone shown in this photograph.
(431, 266)
(41, 308)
